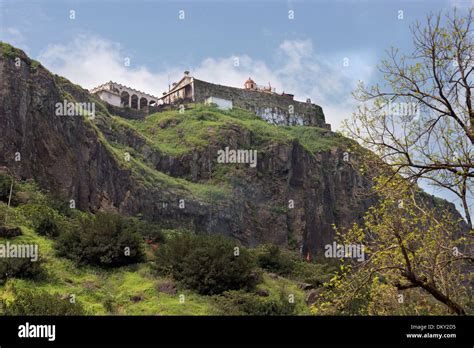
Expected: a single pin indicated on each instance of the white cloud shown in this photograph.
(91, 61)
(13, 36)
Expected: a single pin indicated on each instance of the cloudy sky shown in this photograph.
(313, 49)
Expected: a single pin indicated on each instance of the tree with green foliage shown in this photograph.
(412, 250)
(420, 122)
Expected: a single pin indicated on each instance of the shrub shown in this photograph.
(20, 268)
(9, 232)
(36, 302)
(47, 226)
(22, 192)
(272, 258)
(205, 264)
(104, 240)
(44, 220)
(245, 303)
(146, 229)
(60, 205)
(315, 274)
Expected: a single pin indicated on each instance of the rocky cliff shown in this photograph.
(165, 168)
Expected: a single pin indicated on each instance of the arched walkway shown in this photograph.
(134, 102)
(143, 102)
(125, 99)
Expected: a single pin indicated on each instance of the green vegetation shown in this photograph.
(176, 133)
(203, 128)
(106, 240)
(245, 303)
(146, 174)
(47, 227)
(34, 302)
(207, 264)
(271, 258)
(133, 289)
(313, 273)
(19, 268)
(316, 139)
(405, 257)
(9, 51)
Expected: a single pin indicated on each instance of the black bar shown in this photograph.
(291, 331)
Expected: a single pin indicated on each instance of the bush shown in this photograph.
(315, 274)
(22, 192)
(36, 302)
(206, 264)
(47, 226)
(271, 258)
(10, 232)
(20, 268)
(106, 240)
(244, 303)
(147, 230)
(44, 220)
(60, 205)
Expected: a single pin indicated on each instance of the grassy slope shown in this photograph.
(95, 287)
(176, 133)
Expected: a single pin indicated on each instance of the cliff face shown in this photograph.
(292, 197)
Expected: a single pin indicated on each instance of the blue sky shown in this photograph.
(304, 55)
(155, 40)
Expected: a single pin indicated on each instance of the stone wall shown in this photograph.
(277, 109)
(132, 114)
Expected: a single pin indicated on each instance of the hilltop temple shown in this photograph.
(276, 108)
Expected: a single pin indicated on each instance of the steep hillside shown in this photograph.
(173, 157)
(135, 289)
(165, 168)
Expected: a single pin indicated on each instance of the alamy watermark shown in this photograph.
(25, 251)
(354, 251)
(402, 109)
(237, 156)
(67, 108)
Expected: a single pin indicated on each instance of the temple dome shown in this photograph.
(250, 84)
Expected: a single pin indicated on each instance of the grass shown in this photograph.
(112, 291)
(176, 133)
(276, 285)
(152, 178)
(316, 139)
(11, 52)
(105, 292)
(94, 286)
